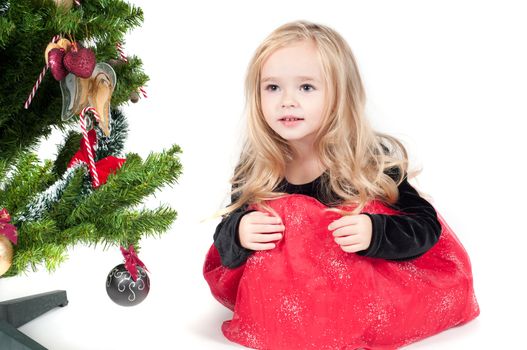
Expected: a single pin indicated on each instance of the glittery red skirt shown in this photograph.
(309, 294)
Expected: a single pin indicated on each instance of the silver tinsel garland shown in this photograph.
(44, 200)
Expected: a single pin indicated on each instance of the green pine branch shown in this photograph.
(134, 181)
(65, 152)
(102, 216)
(51, 254)
(29, 179)
(127, 227)
(131, 78)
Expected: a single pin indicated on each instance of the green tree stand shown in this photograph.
(17, 312)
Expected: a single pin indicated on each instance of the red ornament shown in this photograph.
(56, 64)
(131, 261)
(6, 228)
(309, 294)
(80, 61)
(105, 166)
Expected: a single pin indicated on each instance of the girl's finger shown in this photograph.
(347, 240)
(353, 248)
(345, 231)
(261, 246)
(262, 218)
(268, 228)
(343, 221)
(267, 237)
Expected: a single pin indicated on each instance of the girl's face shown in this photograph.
(293, 93)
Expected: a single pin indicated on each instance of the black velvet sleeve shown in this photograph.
(226, 239)
(408, 236)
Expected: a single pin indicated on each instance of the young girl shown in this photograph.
(325, 244)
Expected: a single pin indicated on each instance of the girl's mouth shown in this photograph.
(290, 120)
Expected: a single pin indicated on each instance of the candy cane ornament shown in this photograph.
(40, 78)
(91, 160)
(122, 56)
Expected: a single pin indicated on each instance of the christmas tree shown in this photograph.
(54, 204)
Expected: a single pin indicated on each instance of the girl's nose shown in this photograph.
(288, 101)
(288, 105)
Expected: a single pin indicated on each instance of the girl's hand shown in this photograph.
(258, 230)
(352, 232)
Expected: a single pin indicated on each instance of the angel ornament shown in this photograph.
(95, 91)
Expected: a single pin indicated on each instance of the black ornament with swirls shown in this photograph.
(122, 289)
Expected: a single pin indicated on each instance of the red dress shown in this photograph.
(309, 294)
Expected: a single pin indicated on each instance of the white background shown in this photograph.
(448, 77)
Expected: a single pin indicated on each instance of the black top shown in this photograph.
(394, 237)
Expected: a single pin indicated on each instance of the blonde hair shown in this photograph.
(355, 156)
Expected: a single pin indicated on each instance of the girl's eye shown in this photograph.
(271, 87)
(307, 87)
